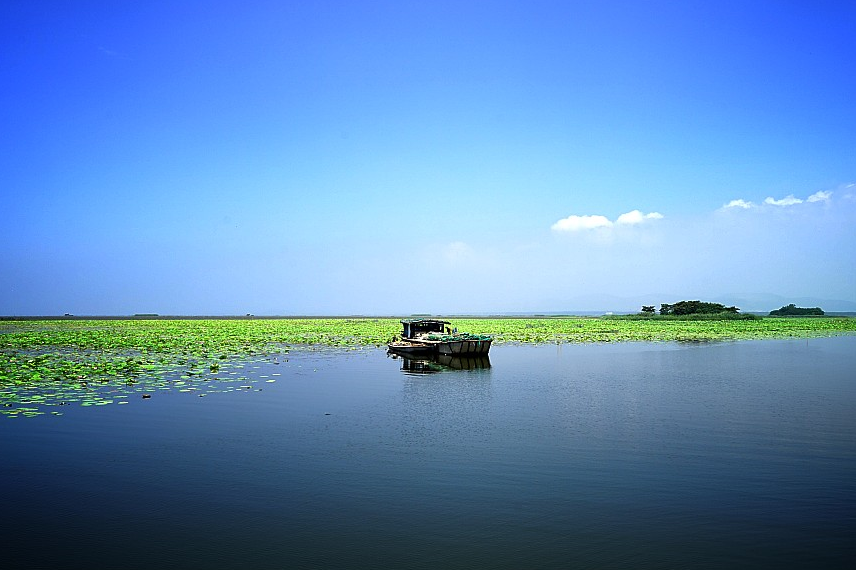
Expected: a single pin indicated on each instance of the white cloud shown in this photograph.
(822, 196)
(788, 200)
(637, 217)
(577, 223)
(739, 203)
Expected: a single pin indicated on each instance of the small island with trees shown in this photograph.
(694, 310)
(794, 311)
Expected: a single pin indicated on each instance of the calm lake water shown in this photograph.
(638, 455)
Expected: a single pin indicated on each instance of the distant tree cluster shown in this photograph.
(695, 308)
(794, 311)
(694, 311)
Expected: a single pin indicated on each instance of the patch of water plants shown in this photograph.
(652, 329)
(46, 365)
(37, 383)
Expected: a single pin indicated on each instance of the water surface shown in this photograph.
(636, 455)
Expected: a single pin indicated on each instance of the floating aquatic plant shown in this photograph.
(49, 364)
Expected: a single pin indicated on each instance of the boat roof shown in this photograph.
(411, 321)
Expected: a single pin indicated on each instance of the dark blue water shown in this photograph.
(727, 455)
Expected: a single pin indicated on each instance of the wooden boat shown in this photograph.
(432, 336)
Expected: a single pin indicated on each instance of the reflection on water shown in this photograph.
(440, 363)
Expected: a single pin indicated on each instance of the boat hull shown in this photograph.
(460, 347)
(404, 347)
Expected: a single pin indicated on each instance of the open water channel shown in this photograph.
(636, 455)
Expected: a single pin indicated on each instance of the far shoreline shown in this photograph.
(494, 316)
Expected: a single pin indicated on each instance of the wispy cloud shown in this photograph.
(457, 251)
(574, 223)
(636, 217)
(740, 203)
(112, 53)
(822, 196)
(788, 200)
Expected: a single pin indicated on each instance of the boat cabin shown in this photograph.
(416, 327)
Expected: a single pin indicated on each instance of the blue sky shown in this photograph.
(407, 157)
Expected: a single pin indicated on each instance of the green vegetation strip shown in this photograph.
(46, 364)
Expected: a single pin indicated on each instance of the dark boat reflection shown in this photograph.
(426, 364)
